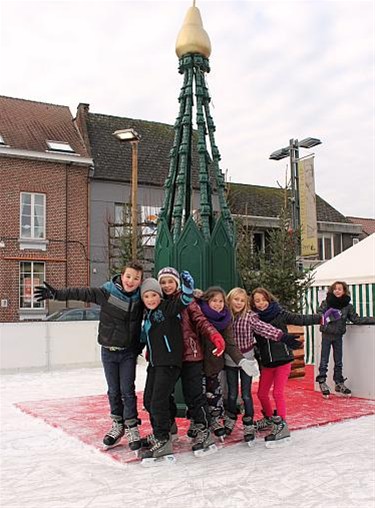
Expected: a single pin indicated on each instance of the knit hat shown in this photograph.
(169, 271)
(151, 284)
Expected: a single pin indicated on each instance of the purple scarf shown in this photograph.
(220, 320)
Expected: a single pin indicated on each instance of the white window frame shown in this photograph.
(59, 146)
(149, 218)
(32, 241)
(26, 291)
(323, 237)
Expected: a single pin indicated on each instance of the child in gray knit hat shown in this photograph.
(164, 348)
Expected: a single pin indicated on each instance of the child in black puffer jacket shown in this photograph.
(275, 359)
(337, 309)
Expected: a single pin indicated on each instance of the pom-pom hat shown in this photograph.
(169, 271)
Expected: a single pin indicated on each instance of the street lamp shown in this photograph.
(292, 151)
(131, 136)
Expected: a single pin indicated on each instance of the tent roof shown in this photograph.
(355, 265)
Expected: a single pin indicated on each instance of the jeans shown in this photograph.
(337, 345)
(159, 387)
(278, 377)
(232, 380)
(119, 369)
(192, 389)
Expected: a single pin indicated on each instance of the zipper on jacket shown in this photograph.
(167, 344)
(193, 346)
(269, 350)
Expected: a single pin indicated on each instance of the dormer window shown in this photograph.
(59, 146)
(2, 142)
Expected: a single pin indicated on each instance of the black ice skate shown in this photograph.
(160, 453)
(192, 430)
(341, 389)
(204, 443)
(113, 437)
(324, 388)
(132, 434)
(148, 441)
(229, 422)
(280, 434)
(217, 428)
(248, 430)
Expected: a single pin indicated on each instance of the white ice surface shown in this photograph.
(42, 467)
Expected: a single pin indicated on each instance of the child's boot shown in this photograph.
(216, 425)
(192, 430)
(204, 443)
(113, 437)
(248, 430)
(161, 452)
(132, 434)
(280, 433)
(229, 422)
(342, 389)
(264, 423)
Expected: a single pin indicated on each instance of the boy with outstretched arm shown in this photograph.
(119, 335)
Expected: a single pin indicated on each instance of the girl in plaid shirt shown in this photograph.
(245, 324)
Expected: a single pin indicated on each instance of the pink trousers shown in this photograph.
(278, 377)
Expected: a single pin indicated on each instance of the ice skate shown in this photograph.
(147, 441)
(324, 388)
(249, 430)
(280, 435)
(229, 422)
(192, 430)
(341, 389)
(204, 443)
(263, 424)
(160, 453)
(113, 437)
(217, 428)
(174, 431)
(132, 434)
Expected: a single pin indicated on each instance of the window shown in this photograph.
(32, 273)
(326, 246)
(32, 215)
(355, 241)
(149, 224)
(2, 142)
(258, 242)
(59, 146)
(122, 217)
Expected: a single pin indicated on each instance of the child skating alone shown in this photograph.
(337, 309)
(165, 349)
(245, 324)
(119, 336)
(276, 361)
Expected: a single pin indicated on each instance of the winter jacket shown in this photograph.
(195, 329)
(120, 314)
(162, 327)
(348, 313)
(274, 354)
(213, 364)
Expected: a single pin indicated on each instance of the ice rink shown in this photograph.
(331, 466)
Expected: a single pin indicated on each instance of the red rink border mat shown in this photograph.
(87, 418)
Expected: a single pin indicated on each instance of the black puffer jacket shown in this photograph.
(274, 354)
(120, 315)
(348, 313)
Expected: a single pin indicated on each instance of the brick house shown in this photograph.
(367, 226)
(44, 194)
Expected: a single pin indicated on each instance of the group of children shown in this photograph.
(196, 336)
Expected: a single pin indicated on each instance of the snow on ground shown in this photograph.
(41, 467)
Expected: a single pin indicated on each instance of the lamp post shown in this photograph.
(131, 136)
(293, 152)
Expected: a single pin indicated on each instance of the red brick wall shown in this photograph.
(66, 190)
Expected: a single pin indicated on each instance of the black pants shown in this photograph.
(159, 387)
(192, 388)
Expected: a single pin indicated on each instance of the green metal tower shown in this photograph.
(200, 240)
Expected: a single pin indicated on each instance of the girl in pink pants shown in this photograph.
(275, 359)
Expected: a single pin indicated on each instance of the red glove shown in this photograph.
(219, 342)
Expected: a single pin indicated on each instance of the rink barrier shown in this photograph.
(48, 346)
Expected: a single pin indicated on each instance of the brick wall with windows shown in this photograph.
(63, 254)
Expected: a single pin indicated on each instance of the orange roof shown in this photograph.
(368, 225)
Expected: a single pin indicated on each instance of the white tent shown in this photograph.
(355, 265)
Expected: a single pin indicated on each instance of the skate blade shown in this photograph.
(166, 460)
(345, 395)
(279, 444)
(109, 447)
(206, 451)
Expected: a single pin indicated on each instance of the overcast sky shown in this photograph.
(279, 70)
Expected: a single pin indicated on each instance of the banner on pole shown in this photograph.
(307, 203)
